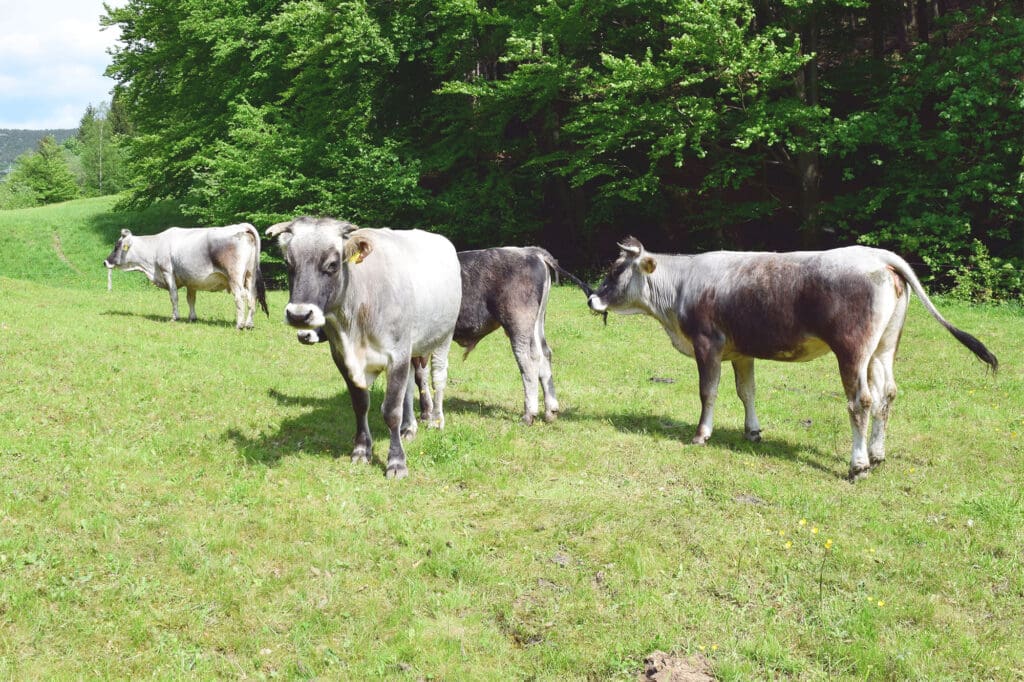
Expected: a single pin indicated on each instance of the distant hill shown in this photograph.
(14, 143)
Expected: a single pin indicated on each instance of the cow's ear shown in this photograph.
(647, 265)
(357, 249)
(126, 232)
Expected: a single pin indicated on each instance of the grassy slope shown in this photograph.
(170, 503)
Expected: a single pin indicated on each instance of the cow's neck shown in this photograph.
(141, 257)
(664, 285)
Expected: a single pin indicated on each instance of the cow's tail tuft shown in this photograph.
(973, 344)
(261, 289)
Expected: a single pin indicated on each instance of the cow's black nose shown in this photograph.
(293, 318)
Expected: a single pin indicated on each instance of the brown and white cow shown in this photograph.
(381, 297)
(199, 259)
(739, 306)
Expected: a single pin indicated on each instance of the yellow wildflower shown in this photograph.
(828, 543)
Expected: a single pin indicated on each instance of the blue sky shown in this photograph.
(52, 57)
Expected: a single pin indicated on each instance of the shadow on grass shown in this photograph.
(163, 319)
(666, 428)
(327, 430)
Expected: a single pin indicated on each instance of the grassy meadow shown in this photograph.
(172, 504)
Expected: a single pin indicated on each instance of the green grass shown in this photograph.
(171, 504)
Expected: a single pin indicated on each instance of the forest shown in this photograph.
(693, 125)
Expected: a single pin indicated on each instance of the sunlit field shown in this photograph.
(176, 500)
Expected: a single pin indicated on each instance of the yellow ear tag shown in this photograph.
(125, 247)
(356, 258)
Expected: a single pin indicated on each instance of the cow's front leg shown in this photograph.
(190, 296)
(395, 400)
(362, 448)
(743, 368)
(709, 371)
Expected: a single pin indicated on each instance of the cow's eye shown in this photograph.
(331, 266)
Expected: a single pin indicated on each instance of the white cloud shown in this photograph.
(52, 58)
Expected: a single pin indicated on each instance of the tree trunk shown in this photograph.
(808, 163)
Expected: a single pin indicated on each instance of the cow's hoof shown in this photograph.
(527, 419)
(858, 473)
(699, 440)
(550, 416)
(361, 456)
(409, 433)
(396, 471)
(876, 460)
(753, 436)
(436, 423)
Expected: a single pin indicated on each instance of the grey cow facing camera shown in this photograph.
(380, 297)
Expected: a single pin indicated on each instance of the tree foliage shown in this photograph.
(692, 124)
(43, 175)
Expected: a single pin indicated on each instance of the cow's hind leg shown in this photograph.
(409, 424)
(190, 295)
(439, 377)
(419, 368)
(522, 335)
(545, 372)
(853, 370)
(362, 448)
(236, 285)
(397, 397)
(883, 381)
(743, 368)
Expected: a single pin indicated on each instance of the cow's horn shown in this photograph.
(630, 248)
(278, 228)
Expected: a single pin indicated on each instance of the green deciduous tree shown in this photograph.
(693, 123)
(45, 173)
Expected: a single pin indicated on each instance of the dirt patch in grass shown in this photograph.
(662, 667)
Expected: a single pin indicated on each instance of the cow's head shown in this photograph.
(118, 256)
(623, 286)
(317, 252)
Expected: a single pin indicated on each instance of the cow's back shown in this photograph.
(413, 283)
(776, 305)
(201, 257)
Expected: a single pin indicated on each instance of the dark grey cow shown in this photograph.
(739, 306)
(381, 297)
(504, 288)
(508, 288)
(199, 259)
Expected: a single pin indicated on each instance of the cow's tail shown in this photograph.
(257, 274)
(552, 263)
(904, 270)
